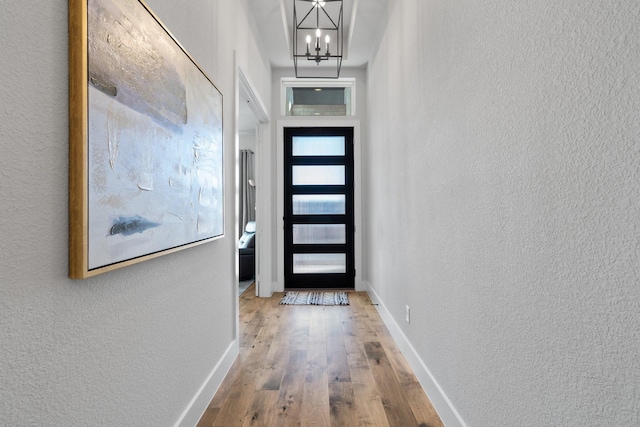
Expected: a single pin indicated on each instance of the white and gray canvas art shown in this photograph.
(155, 139)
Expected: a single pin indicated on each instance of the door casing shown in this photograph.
(277, 285)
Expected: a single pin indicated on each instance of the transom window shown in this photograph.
(326, 97)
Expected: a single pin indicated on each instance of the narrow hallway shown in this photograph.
(320, 366)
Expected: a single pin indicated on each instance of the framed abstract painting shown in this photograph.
(146, 140)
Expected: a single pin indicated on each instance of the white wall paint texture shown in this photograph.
(503, 203)
(130, 347)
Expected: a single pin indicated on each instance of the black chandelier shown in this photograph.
(318, 37)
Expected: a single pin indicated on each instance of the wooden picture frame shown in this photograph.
(145, 140)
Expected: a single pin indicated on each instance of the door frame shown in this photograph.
(359, 283)
(244, 89)
(319, 280)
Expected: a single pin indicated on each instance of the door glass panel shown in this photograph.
(319, 204)
(318, 146)
(318, 175)
(319, 263)
(322, 234)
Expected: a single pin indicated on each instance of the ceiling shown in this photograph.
(362, 20)
(274, 19)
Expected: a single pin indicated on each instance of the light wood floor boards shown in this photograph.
(317, 366)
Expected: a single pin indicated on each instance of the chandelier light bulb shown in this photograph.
(318, 32)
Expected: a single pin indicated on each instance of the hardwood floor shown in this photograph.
(317, 366)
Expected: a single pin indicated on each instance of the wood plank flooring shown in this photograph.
(317, 366)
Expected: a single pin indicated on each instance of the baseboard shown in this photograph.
(448, 414)
(266, 288)
(200, 401)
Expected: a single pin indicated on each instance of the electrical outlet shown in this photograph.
(407, 316)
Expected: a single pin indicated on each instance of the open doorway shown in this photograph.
(251, 123)
(247, 126)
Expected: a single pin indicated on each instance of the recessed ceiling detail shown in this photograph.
(363, 23)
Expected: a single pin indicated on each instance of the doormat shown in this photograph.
(315, 298)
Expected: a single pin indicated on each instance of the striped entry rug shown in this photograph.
(315, 298)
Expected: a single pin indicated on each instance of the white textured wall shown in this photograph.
(503, 203)
(130, 347)
(247, 141)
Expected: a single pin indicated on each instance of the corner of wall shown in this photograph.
(210, 386)
(448, 414)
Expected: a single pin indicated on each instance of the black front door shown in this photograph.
(319, 217)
